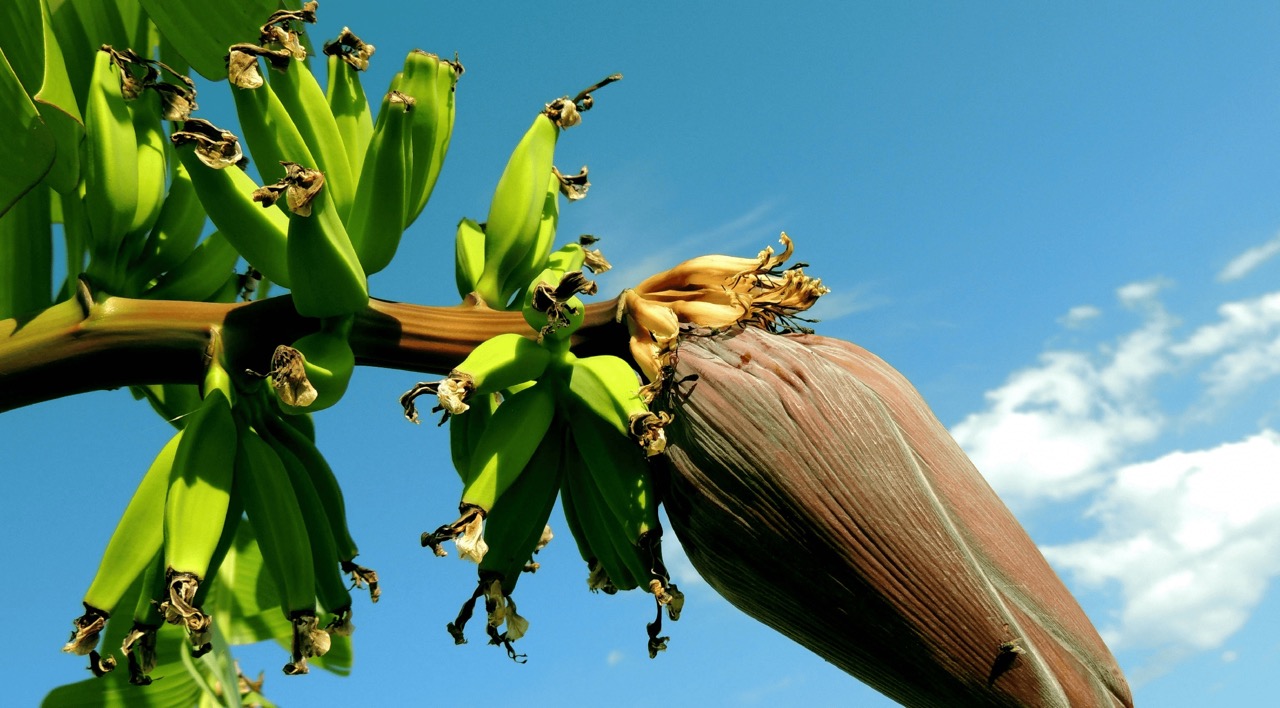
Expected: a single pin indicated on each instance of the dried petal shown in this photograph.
(289, 377)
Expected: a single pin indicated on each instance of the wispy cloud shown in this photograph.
(1051, 430)
(1079, 316)
(1243, 264)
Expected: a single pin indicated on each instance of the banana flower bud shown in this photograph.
(814, 489)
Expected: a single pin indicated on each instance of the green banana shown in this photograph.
(469, 257)
(551, 305)
(328, 280)
(171, 401)
(430, 79)
(263, 486)
(226, 193)
(504, 449)
(331, 589)
(138, 537)
(377, 216)
(498, 363)
(466, 428)
(284, 428)
(177, 229)
(313, 373)
(302, 98)
(202, 274)
(269, 129)
(535, 259)
(610, 390)
(516, 209)
(111, 159)
(348, 56)
(516, 525)
(195, 510)
(609, 567)
(508, 442)
(145, 112)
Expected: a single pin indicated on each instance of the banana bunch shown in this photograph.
(236, 454)
(135, 215)
(497, 259)
(531, 422)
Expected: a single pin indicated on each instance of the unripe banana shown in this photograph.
(139, 645)
(551, 305)
(469, 257)
(331, 590)
(283, 428)
(346, 96)
(226, 193)
(145, 112)
(270, 131)
(263, 486)
(377, 216)
(313, 374)
(431, 80)
(607, 387)
(609, 569)
(535, 259)
(138, 537)
(176, 231)
(507, 444)
(466, 428)
(498, 363)
(619, 472)
(303, 99)
(328, 280)
(516, 524)
(516, 209)
(200, 275)
(111, 158)
(195, 510)
(171, 401)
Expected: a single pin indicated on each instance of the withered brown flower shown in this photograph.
(814, 489)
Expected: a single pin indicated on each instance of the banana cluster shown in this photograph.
(497, 259)
(236, 459)
(531, 422)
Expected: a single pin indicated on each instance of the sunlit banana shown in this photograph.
(328, 280)
(226, 193)
(195, 510)
(594, 527)
(284, 428)
(517, 523)
(469, 257)
(138, 537)
(609, 389)
(534, 260)
(431, 80)
(152, 144)
(516, 208)
(268, 127)
(331, 589)
(497, 363)
(466, 428)
(200, 275)
(348, 56)
(504, 449)
(551, 305)
(26, 255)
(303, 99)
(176, 231)
(377, 216)
(111, 158)
(171, 401)
(263, 486)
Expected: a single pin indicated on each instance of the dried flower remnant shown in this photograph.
(805, 472)
(351, 49)
(215, 147)
(299, 186)
(573, 187)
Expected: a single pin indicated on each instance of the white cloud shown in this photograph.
(1050, 431)
(1079, 316)
(1244, 345)
(614, 658)
(1192, 540)
(1243, 264)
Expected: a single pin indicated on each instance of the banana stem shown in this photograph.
(82, 345)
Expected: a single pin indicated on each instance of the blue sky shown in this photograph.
(1059, 222)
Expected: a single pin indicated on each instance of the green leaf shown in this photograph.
(28, 149)
(201, 32)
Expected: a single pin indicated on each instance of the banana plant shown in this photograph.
(238, 532)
